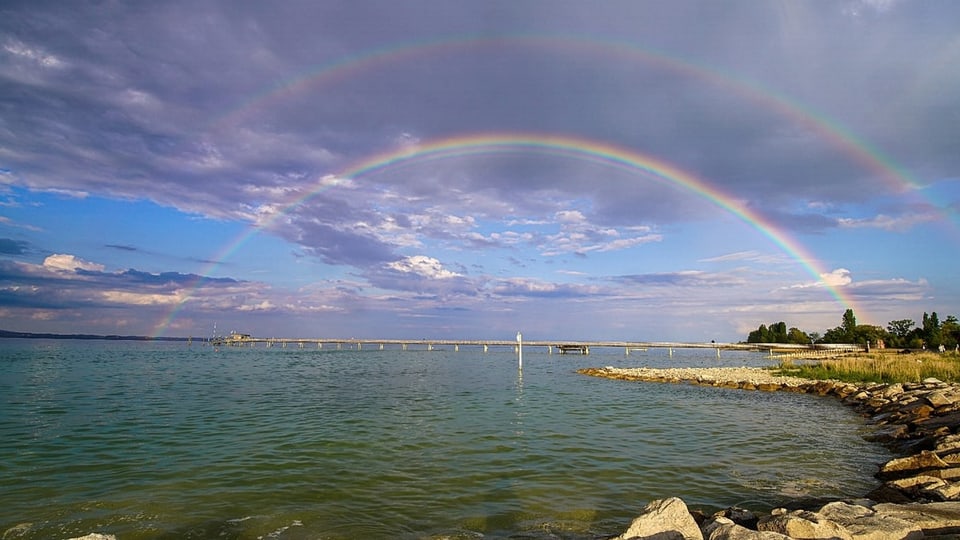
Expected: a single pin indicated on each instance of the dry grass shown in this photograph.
(886, 367)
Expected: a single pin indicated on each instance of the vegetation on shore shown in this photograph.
(930, 334)
(879, 367)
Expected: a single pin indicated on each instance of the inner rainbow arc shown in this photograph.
(567, 146)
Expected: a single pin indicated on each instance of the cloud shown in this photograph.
(70, 263)
(683, 278)
(248, 116)
(9, 246)
(836, 278)
(537, 288)
(750, 256)
(424, 266)
(888, 223)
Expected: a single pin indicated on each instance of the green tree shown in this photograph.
(760, 335)
(799, 337)
(950, 332)
(899, 332)
(849, 326)
(778, 332)
(846, 332)
(869, 334)
(931, 330)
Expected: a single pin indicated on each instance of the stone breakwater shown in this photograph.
(920, 492)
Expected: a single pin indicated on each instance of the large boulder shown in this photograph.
(936, 518)
(663, 519)
(911, 465)
(721, 528)
(804, 525)
(865, 524)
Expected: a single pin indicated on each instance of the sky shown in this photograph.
(655, 170)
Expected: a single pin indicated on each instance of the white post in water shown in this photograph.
(520, 350)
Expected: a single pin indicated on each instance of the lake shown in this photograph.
(170, 440)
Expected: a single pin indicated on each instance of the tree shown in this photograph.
(760, 335)
(869, 334)
(849, 326)
(931, 330)
(799, 337)
(950, 332)
(846, 332)
(778, 332)
(899, 332)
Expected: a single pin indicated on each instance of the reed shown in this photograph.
(881, 367)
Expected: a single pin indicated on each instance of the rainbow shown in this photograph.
(586, 150)
(845, 141)
(343, 68)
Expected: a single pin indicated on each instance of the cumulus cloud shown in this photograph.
(424, 266)
(70, 263)
(836, 278)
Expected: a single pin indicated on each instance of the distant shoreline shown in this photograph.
(33, 335)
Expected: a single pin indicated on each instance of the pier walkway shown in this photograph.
(561, 347)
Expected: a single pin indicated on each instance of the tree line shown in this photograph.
(931, 333)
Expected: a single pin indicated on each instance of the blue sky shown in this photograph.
(167, 166)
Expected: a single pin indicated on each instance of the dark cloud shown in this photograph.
(122, 247)
(9, 246)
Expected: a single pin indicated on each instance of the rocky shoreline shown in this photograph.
(920, 494)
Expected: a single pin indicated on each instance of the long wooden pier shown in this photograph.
(561, 347)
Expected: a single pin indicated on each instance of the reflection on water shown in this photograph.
(162, 440)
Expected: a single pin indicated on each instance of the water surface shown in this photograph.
(162, 440)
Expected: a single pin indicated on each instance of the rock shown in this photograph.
(892, 391)
(886, 493)
(664, 519)
(916, 410)
(914, 484)
(889, 433)
(949, 420)
(804, 525)
(17, 531)
(940, 398)
(934, 518)
(95, 536)
(865, 524)
(721, 528)
(950, 475)
(944, 492)
(739, 516)
(948, 445)
(911, 465)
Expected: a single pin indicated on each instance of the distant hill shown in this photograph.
(32, 335)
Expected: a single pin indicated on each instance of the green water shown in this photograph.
(162, 440)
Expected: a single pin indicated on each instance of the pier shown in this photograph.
(549, 346)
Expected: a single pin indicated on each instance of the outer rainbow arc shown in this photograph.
(566, 146)
(846, 141)
(840, 137)
(339, 69)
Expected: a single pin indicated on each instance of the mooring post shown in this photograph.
(520, 351)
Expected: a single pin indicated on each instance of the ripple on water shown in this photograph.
(154, 440)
